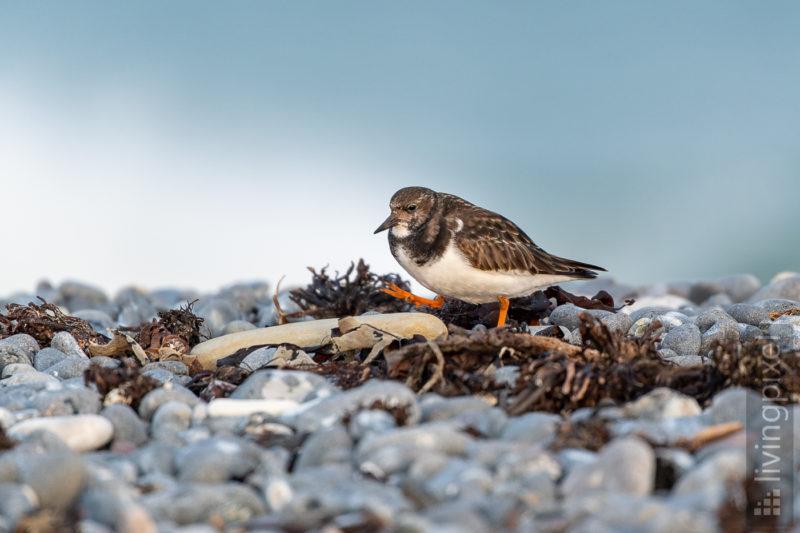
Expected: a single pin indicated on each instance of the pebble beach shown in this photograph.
(289, 449)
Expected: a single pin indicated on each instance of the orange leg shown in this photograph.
(503, 310)
(397, 292)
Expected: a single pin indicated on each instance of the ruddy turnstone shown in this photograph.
(459, 250)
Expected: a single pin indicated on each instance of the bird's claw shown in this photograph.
(397, 292)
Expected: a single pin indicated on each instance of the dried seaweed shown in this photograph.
(43, 321)
(601, 300)
(338, 296)
(126, 379)
(176, 329)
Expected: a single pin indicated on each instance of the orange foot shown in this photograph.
(503, 310)
(397, 292)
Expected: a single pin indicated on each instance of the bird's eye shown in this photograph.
(411, 207)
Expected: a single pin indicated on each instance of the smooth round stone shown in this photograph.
(170, 419)
(66, 343)
(661, 403)
(192, 503)
(748, 314)
(624, 465)
(639, 327)
(216, 313)
(707, 319)
(733, 405)
(650, 312)
(165, 376)
(786, 334)
(235, 326)
(156, 397)
(57, 478)
(749, 333)
(276, 356)
(391, 451)
(457, 478)
(740, 287)
(706, 483)
(249, 295)
(117, 511)
(135, 307)
(216, 460)
(75, 293)
(326, 446)
(30, 376)
(568, 316)
(719, 300)
(531, 427)
(100, 321)
(47, 357)
(17, 368)
(547, 331)
(71, 367)
(67, 400)
(370, 421)
(721, 331)
(787, 288)
(777, 305)
(683, 340)
(701, 291)
(17, 500)
(128, 427)
(294, 385)
(19, 348)
(82, 433)
(105, 362)
(176, 367)
(446, 408)
(325, 412)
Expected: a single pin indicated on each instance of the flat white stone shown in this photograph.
(82, 433)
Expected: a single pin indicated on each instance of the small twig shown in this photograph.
(281, 315)
(438, 373)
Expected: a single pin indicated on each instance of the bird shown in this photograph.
(459, 250)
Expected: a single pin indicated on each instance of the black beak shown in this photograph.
(388, 223)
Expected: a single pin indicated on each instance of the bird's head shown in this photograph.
(411, 208)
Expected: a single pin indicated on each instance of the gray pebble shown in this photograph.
(115, 509)
(105, 362)
(703, 290)
(67, 401)
(176, 367)
(445, 408)
(135, 307)
(605, 473)
(326, 446)
(216, 312)
(128, 427)
(17, 500)
(683, 340)
(707, 483)
(786, 288)
(748, 314)
(77, 295)
(395, 396)
(284, 385)
(100, 321)
(47, 357)
(19, 348)
(740, 287)
(191, 503)
(706, 319)
(568, 316)
(531, 427)
(370, 421)
(722, 330)
(719, 300)
(156, 397)
(71, 367)
(66, 343)
(236, 326)
(56, 478)
(457, 478)
(749, 333)
(170, 419)
(155, 458)
(661, 403)
(733, 405)
(777, 305)
(216, 460)
(650, 312)
(276, 356)
(786, 335)
(165, 376)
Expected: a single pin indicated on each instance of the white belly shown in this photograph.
(454, 277)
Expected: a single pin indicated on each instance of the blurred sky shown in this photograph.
(199, 143)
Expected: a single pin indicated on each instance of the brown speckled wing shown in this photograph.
(492, 242)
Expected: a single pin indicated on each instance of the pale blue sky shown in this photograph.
(198, 143)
